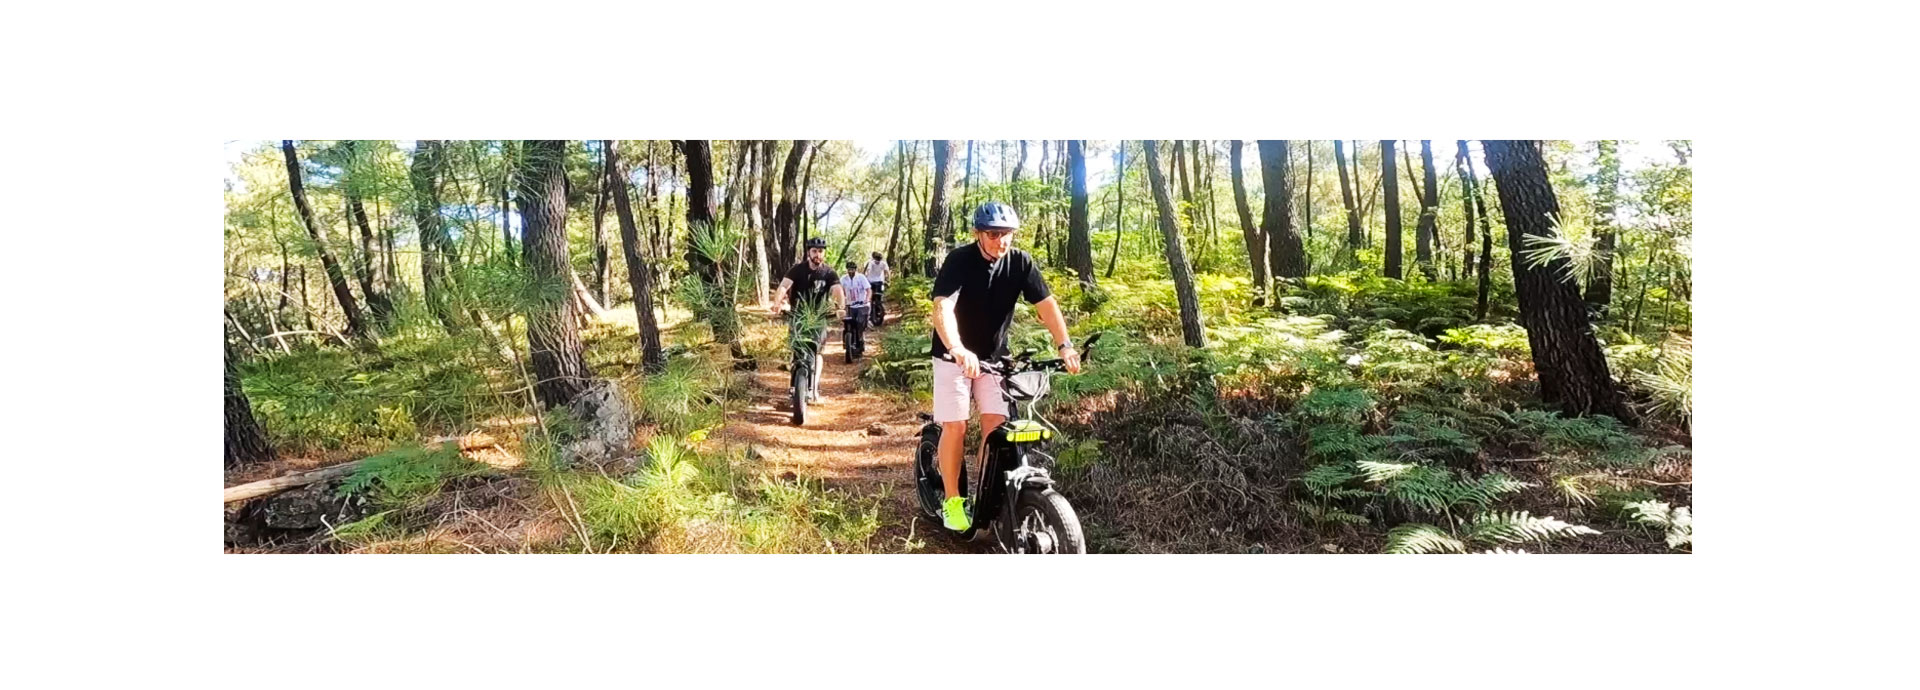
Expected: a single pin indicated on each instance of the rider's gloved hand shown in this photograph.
(969, 362)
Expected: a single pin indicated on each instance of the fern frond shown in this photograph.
(1382, 471)
(1321, 514)
(1322, 480)
(1678, 522)
(1503, 551)
(1416, 537)
(1518, 527)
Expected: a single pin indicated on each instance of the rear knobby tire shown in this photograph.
(1056, 514)
(926, 472)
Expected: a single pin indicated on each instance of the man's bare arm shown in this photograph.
(1056, 324)
(780, 295)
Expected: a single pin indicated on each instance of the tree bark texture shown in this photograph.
(1191, 329)
(638, 277)
(937, 203)
(559, 366)
(1426, 233)
(336, 276)
(246, 442)
(786, 216)
(1390, 181)
(1572, 367)
(1286, 256)
(1354, 237)
(1256, 241)
(1079, 229)
(436, 248)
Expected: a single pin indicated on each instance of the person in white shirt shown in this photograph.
(877, 274)
(858, 291)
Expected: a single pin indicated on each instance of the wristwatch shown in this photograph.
(1062, 346)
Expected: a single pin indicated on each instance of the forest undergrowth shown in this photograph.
(675, 491)
(1364, 415)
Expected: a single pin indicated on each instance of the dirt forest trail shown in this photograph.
(853, 441)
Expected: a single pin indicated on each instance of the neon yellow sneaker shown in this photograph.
(956, 514)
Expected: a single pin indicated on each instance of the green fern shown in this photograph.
(1383, 471)
(1492, 530)
(1519, 527)
(1416, 537)
(1678, 522)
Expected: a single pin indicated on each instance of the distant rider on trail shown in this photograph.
(877, 274)
(857, 288)
(811, 282)
(973, 300)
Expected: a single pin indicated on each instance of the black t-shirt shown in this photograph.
(987, 293)
(811, 284)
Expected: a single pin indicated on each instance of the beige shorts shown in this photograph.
(952, 391)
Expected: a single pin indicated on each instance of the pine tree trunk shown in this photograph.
(246, 442)
(700, 220)
(336, 277)
(559, 367)
(1286, 256)
(1486, 241)
(937, 203)
(1427, 231)
(1255, 241)
(1191, 329)
(1466, 204)
(435, 254)
(1354, 237)
(1605, 198)
(366, 266)
(1306, 254)
(365, 261)
(900, 203)
(803, 210)
(1018, 168)
(306, 308)
(1079, 230)
(966, 194)
(769, 253)
(638, 277)
(1390, 181)
(1572, 367)
(601, 253)
(1119, 205)
(1187, 209)
(736, 174)
(786, 216)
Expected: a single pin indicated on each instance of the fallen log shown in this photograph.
(282, 483)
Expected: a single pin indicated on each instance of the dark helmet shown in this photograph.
(994, 215)
(816, 243)
(851, 265)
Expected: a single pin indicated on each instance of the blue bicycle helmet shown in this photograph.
(994, 215)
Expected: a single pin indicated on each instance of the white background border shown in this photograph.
(111, 297)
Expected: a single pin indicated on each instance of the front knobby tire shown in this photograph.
(846, 345)
(800, 399)
(1052, 514)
